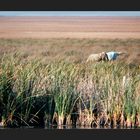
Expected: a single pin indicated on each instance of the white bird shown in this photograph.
(113, 55)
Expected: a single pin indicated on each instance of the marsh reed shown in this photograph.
(65, 93)
(46, 83)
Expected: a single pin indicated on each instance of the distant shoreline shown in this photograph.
(69, 27)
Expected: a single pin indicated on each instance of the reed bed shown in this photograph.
(61, 93)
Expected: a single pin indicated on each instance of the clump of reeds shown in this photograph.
(99, 94)
(20, 89)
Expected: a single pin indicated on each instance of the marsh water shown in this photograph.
(71, 127)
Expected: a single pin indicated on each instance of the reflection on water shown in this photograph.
(88, 127)
(71, 127)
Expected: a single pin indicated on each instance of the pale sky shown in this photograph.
(69, 13)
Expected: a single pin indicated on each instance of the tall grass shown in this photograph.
(104, 94)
